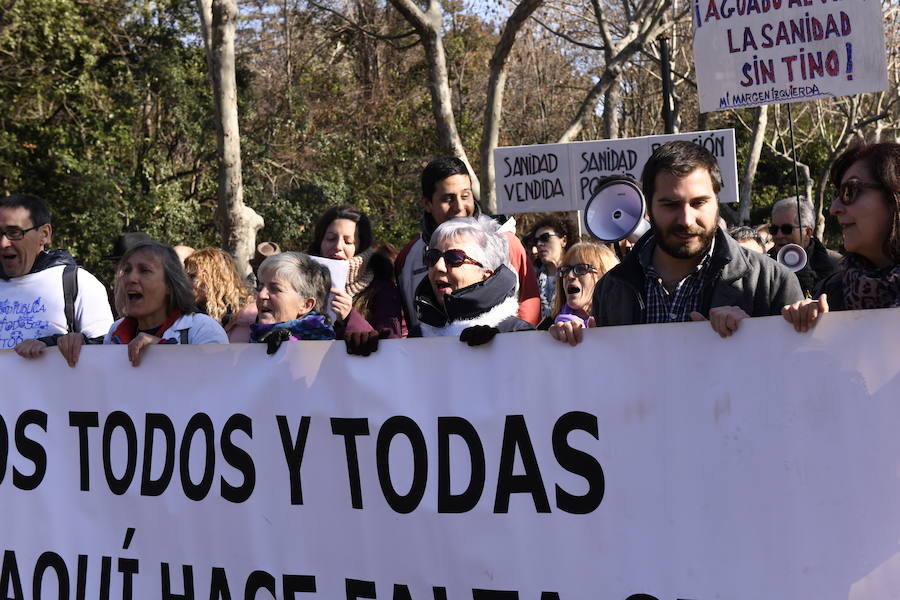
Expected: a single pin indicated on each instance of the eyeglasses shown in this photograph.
(848, 191)
(785, 229)
(453, 258)
(15, 233)
(545, 237)
(579, 270)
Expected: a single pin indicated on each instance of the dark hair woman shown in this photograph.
(867, 207)
(370, 300)
(551, 236)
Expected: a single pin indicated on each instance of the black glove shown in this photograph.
(478, 334)
(274, 340)
(363, 343)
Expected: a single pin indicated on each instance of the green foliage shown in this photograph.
(107, 115)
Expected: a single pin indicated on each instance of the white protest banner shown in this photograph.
(654, 462)
(588, 162)
(754, 52)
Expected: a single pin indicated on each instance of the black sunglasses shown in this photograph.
(15, 233)
(545, 237)
(579, 269)
(453, 258)
(785, 229)
(848, 191)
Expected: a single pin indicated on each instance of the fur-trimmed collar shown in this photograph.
(493, 317)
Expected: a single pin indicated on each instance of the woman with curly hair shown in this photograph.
(220, 292)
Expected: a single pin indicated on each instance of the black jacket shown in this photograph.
(471, 302)
(820, 264)
(741, 277)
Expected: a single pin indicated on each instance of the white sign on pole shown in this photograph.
(579, 166)
(754, 52)
(646, 464)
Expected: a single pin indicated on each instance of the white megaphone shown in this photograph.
(615, 211)
(792, 256)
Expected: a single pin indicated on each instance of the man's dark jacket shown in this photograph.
(741, 277)
(820, 264)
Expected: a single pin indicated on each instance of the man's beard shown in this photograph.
(668, 243)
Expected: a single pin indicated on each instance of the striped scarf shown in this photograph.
(360, 274)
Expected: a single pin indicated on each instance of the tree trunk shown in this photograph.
(611, 111)
(237, 222)
(428, 25)
(494, 109)
(749, 173)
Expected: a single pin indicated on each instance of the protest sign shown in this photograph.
(649, 463)
(754, 52)
(579, 166)
(534, 176)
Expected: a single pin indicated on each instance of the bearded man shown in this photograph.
(686, 268)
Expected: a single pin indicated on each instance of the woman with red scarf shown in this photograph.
(157, 299)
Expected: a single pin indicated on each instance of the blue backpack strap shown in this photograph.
(70, 292)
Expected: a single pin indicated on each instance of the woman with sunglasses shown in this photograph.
(867, 207)
(470, 291)
(551, 238)
(583, 266)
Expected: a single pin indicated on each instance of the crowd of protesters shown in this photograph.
(467, 275)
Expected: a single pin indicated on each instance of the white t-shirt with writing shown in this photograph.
(32, 306)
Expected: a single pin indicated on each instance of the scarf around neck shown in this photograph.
(127, 330)
(866, 286)
(311, 326)
(360, 273)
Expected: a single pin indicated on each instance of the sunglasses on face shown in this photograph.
(15, 233)
(785, 229)
(545, 237)
(452, 258)
(848, 191)
(579, 269)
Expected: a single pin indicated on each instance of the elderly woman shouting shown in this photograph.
(292, 300)
(470, 291)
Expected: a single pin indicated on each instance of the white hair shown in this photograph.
(806, 210)
(484, 231)
(308, 278)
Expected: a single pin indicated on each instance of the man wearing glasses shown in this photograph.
(43, 295)
(786, 229)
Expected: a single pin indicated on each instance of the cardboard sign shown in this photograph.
(524, 172)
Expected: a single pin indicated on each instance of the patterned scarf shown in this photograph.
(868, 287)
(128, 329)
(312, 326)
(360, 274)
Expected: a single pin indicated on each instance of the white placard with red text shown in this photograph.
(754, 52)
